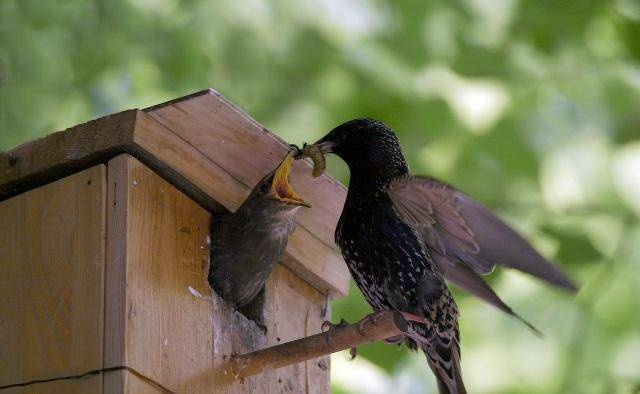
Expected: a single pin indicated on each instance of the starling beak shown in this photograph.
(402, 236)
(247, 244)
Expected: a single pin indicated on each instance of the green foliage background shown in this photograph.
(530, 106)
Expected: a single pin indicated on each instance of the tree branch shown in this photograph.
(380, 326)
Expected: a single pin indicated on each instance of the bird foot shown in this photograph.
(353, 352)
(329, 327)
(369, 319)
(297, 152)
(414, 318)
(395, 340)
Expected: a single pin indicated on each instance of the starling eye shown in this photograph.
(264, 187)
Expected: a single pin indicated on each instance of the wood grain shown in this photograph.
(51, 274)
(116, 261)
(82, 385)
(123, 381)
(63, 153)
(288, 297)
(157, 325)
(110, 382)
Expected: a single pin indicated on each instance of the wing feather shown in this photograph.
(469, 281)
(461, 229)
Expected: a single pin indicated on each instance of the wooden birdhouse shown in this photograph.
(104, 254)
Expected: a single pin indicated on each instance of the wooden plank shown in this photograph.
(123, 381)
(156, 325)
(294, 310)
(81, 385)
(316, 263)
(110, 382)
(63, 153)
(116, 259)
(51, 274)
(174, 152)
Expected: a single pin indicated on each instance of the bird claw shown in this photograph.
(329, 327)
(395, 340)
(414, 318)
(369, 319)
(297, 152)
(353, 352)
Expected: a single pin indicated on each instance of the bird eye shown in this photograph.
(264, 187)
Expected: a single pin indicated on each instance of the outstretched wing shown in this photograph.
(462, 230)
(468, 280)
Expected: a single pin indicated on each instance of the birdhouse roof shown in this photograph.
(208, 148)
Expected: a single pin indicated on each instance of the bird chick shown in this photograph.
(402, 236)
(247, 244)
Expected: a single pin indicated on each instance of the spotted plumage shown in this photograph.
(403, 236)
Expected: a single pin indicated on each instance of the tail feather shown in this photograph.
(444, 361)
(439, 339)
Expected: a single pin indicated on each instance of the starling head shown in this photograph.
(275, 191)
(368, 146)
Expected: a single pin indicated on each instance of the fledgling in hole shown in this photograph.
(247, 244)
(254, 310)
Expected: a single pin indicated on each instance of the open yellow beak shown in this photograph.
(280, 186)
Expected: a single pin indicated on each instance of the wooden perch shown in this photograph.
(382, 325)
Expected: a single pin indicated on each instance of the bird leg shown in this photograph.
(411, 318)
(414, 318)
(328, 327)
(297, 152)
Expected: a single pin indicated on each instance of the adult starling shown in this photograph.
(247, 244)
(402, 236)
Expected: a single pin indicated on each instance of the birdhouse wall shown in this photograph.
(52, 282)
(103, 289)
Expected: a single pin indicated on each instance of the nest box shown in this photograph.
(104, 253)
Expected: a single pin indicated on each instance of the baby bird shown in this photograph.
(247, 244)
(403, 237)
